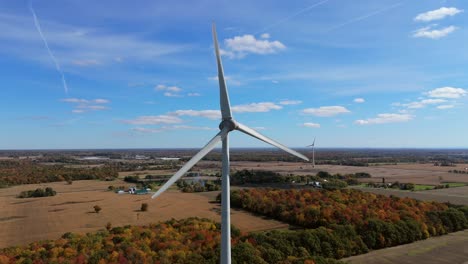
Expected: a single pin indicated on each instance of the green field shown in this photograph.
(423, 187)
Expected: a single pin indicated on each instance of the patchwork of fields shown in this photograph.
(26, 220)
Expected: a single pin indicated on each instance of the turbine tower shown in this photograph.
(313, 153)
(227, 125)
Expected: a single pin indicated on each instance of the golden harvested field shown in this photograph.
(415, 173)
(71, 210)
(447, 249)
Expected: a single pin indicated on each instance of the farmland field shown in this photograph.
(449, 249)
(455, 195)
(71, 210)
(415, 173)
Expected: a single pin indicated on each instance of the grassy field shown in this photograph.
(455, 184)
(448, 249)
(423, 187)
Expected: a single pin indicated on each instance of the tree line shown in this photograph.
(18, 172)
(191, 240)
(380, 221)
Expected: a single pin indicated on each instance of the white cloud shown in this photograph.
(154, 120)
(74, 100)
(326, 111)
(166, 128)
(437, 14)
(84, 105)
(423, 103)
(445, 106)
(447, 92)
(169, 91)
(216, 114)
(169, 94)
(256, 107)
(312, 125)
(174, 89)
(91, 107)
(85, 101)
(240, 46)
(359, 100)
(290, 102)
(265, 36)
(385, 118)
(146, 130)
(100, 101)
(427, 32)
(193, 94)
(162, 87)
(211, 114)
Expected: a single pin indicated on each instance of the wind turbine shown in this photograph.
(313, 153)
(227, 125)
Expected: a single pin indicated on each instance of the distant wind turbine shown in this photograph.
(313, 153)
(227, 125)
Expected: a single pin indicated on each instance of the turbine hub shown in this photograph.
(229, 124)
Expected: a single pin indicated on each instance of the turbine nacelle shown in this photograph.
(228, 124)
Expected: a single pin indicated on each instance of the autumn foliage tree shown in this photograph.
(379, 220)
(191, 240)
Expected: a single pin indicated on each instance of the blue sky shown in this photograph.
(115, 74)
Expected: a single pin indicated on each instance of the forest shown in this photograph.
(380, 221)
(16, 172)
(191, 240)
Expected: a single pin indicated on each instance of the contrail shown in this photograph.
(57, 65)
(292, 16)
(354, 20)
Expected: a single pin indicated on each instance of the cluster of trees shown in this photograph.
(459, 171)
(334, 184)
(197, 186)
(116, 188)
(328, 181)
(339, 181)
(191, 240)
(396, 185)
(444, 163)
(148, 165)
(16, 172)
(39, 192)
(257, 177)
(379, 220)
(132, 179)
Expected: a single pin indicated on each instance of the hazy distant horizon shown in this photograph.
(239, 148)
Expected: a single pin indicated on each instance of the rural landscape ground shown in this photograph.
(26, 220)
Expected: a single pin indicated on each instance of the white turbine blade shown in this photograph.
(202, 153)
(223, 93)
(313, 143)
(257, 135)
